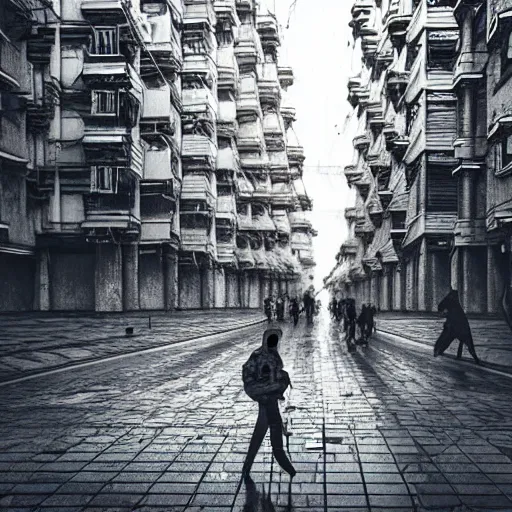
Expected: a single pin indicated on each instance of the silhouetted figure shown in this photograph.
(280, 309)
(349, 321)
(267, 307)
(456, 326)
(340, 311)
(333, 307)
(309, 306)
(366, 322)
(295, 310)
(265, 381)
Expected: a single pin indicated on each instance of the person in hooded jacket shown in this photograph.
(265, 381)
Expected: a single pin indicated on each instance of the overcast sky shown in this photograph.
(316, 46)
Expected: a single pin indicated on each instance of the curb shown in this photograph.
(94, 360)
(426, 347)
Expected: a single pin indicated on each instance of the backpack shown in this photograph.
(263, 380)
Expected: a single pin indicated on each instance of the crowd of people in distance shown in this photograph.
(345, 311)
(275, 307)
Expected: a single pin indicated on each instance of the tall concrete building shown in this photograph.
(430, 166)
(147, 157)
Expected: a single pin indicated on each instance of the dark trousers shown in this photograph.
(268, 416)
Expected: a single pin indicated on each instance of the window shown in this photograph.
(105, 41)
(506, 151)
(104, 179)
(104, 102)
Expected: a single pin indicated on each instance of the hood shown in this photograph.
(268, 332)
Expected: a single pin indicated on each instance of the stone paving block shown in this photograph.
(386, 488)
(94, 476)
(68, 500)
(336, 500)
(115, 500)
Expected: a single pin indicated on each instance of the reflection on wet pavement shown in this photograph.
(384, 428)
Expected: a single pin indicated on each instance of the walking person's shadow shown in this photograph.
(260, 501)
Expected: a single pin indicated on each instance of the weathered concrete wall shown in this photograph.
(220, 288)
(423, 281)
(42, 281)
(13, 208)
(171, 280)
(474, 290)
(254, 290)
(17, 274)
(232, 289)
(439, 277)
(131, 277)
(383, 292)
(108, 278)
(189, 287)
(264, 288)
(151, 281)
(497, 277)
(72, 281)
(409, 284)
(207, 288)
(244, 289)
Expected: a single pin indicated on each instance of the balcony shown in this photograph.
(159, 117)
(13, 142)
(247, 51)
(199, 14)
(397, 25)
(11, 72)
(200, 66)
(299, 221)
(350, 247)
(226, 211)
(110, 215)
(225, 12)
(245, 257)
(287, 109)
(300, 241)
(103, 10)
(363, 15)
(281, 195)
(227, 68)
(364, 229)
(428, 17)
(273, 129)
(113, 147)
(470, 66)
(361, 142)
(228, 160)
(282, 222)
(158, 164)
(376, 213)
(470, 232)
(369, 46)
(469, 148)
(352, 173)
(196, 188)
(268, 83)
(199, 110)
(250, 137)
(197, 240)
(286, 76)
(159, 231)
(268, 30)
(226, 253)
(198, 153)
(227, 125)
(385, 197)
(279, 169)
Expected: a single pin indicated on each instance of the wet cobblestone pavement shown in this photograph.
(39, 342)
(385, 428)
(492, 336)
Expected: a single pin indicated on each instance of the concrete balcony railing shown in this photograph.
(201, 65)
(352, 173)
(268, 30)
(469, 66)
(470, 231)
(196, 188)
(299, 221)
(157, 231)
(10, 69)
(107, 212)
(350, 247)
(437, 17)
(227, 68)
(268, 83)
(286, 76)
(157, 164)
(13, 140)
(361, 142)
(350, 213)
(226, 253)
(99, 8)
(198, 153)
(468, 148)
(196, 240)
(397, 25)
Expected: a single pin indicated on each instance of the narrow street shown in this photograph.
(386, 428)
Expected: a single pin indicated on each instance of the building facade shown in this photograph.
(147, 157)
(430, 167)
